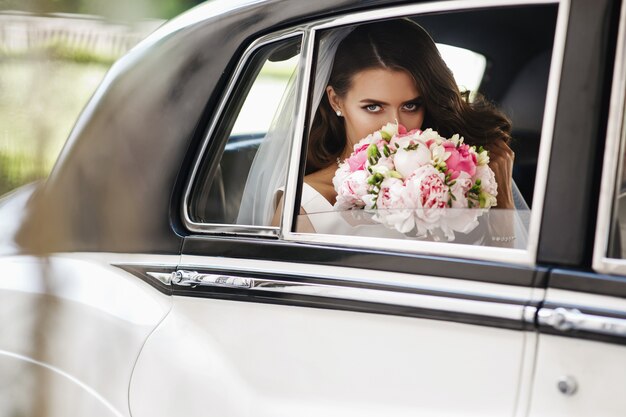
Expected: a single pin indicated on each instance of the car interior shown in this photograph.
(517, 42)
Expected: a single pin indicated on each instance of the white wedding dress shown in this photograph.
(325, 219)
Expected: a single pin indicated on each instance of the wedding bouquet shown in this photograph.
(416, 181)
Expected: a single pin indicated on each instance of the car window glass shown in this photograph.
(363, 181)
(468, 67)
(224, 191)
(617, 242)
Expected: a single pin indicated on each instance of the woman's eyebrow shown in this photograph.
(371, 100)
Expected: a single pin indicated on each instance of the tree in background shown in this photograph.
(124, 10)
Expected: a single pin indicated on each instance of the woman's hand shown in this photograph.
(501, 227)
(501, 163)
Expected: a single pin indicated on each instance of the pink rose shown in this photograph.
(460, 160)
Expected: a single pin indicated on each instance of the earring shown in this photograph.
(338, 113)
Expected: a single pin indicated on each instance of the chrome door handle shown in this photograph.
(564, 319)
(560, 318)
(193, 279)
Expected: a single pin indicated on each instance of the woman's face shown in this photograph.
(376, 97)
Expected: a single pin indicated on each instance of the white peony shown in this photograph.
(407, 161)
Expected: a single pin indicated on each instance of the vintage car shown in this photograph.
(131, 285)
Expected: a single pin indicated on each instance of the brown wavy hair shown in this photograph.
(403, 45)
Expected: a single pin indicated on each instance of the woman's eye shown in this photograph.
(373, 108)
(411, 107)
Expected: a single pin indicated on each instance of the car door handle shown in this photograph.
(566, 319)
(192, 279)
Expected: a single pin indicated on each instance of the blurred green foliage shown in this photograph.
(44, 88)
(40, 99)
(17, 170)
(124, 10)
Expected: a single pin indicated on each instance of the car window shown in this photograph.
(237, 161)
(468, 67)
(376, 168)
(617, 233)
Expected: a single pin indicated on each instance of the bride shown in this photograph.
(387, 72)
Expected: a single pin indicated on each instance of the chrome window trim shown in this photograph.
(612, 163)
(307, 31)
(227, 228)
(508, 255)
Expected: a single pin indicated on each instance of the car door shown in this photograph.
(580, 352)
(270, 320)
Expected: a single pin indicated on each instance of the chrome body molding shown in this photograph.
(194, 279)
(573, 320)
(350, 289)
(612, 165)
(163, 277)
(340, 295)
(484, 304)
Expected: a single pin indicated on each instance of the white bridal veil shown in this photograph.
(269, 167)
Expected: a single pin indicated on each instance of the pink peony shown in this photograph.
(351, 191)
(394, 209)
(390, 194)
(402, 131)
(357, 160)
(458, 190)
(427, 188)
(407, 161)
(461, 159)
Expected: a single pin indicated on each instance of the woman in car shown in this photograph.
(392, 72)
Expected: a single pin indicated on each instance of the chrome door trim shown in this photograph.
(365, 277)
(612, 164)
(350, 289)
(518, 256)
(229, 229)
(340, 295)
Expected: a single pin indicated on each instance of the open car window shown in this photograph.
(234, 174)
(370, 194)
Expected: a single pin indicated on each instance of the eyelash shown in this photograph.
(416, 105)
(367, 108)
